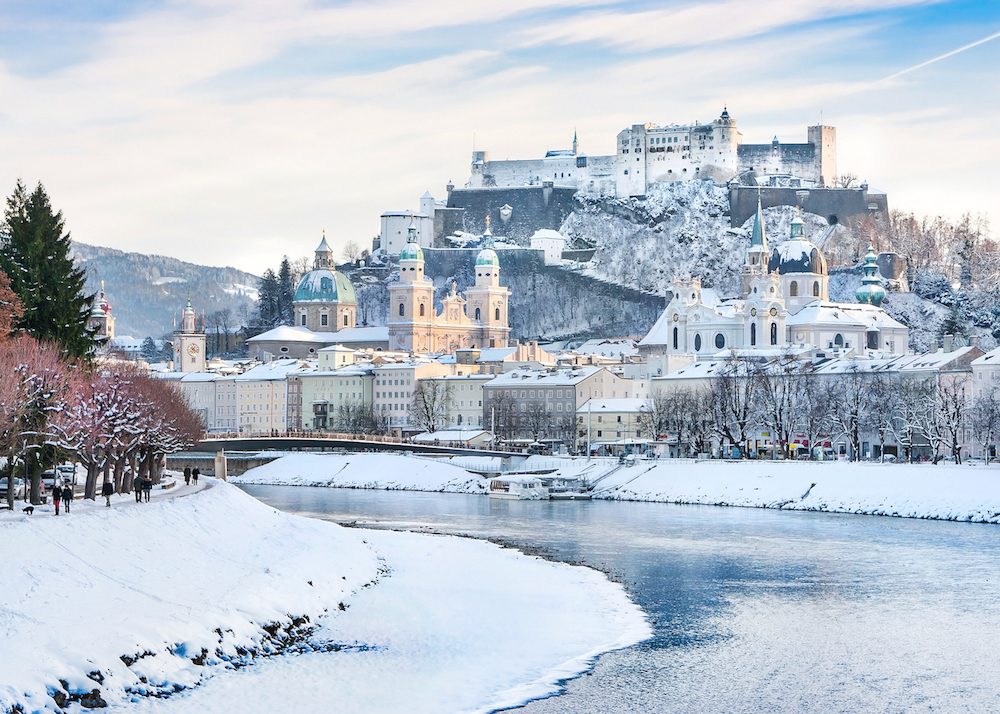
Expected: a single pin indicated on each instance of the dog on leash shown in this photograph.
(29, 510)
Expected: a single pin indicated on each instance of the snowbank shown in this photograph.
(163, 582)
(948, 492)
(381, 471)
(457, 626)
(173, 597)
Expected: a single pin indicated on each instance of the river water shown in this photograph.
(753, 610)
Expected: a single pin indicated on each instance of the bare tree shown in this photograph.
(500, 413)
(734, 403)
(984, 419)
(352, 251)
(536, 420)
(779, 388)
(848, 398)
(952, 404)
(847, 180)
(906, 413)
(430, 404)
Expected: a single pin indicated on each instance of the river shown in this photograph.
(753, 610)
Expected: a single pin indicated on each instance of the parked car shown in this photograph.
(18, 488)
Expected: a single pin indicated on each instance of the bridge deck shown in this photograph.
(312, 443)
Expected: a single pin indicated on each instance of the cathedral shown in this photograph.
(477, 319)
(785, 306)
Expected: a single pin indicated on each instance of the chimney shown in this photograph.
(949, 343)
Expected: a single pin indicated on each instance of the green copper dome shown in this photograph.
(411, 251)
(487, 256)
(870, 291)
(323, 285)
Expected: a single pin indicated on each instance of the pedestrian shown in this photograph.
(187, 476)
(106, 490)
(56, 496)
(67, 495)
(195, 473)
(147, 486)
(137, 487)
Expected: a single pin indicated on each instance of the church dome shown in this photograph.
(797, 256)
(487, 256)
(324, 285)
(411, 251)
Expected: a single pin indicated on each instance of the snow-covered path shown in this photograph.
(458, 626)
(145, 599)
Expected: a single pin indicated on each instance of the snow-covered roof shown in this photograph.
(272, 371)
(404, 214)
(287, 333)
(659, 333)
(609, 348)
(797, 256)
(989, 359)
(848, 314)
(548, 234)
(495, 354)
(379, 333)
(199, 377)
(535, 378)
(337, 348)
(596, 406)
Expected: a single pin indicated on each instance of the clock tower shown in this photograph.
(189, 343)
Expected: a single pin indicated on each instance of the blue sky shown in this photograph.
(233, 132)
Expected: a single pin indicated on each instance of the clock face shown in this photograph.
(676, 317)
(774, 311)
(192, 350)
(753, 312)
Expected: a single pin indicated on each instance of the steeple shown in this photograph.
(576, 144)
(189, 318)
(757, 253)
(758, 238)
(487, 236)
(798, 231)
(870, 291)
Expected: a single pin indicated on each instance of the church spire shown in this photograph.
(324, 254)
(576, 144)
(759, 237)
(487, 236)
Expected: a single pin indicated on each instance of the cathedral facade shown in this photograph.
(476, 319)
(785, 305)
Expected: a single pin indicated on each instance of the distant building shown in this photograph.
(189, 343)
(102, 319)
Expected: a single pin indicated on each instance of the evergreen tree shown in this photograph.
(148, 351)
(269, 300)
(286, 292)
(34, 252)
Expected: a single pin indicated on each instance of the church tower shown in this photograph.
(486, 303)
(757, 255)
(102, 319)
(411, 301)
(189, 343)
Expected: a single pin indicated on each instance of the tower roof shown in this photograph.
(324, 247)
(324, 285)
(758, 239)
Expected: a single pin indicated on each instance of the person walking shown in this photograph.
(147, 487)
(137, 487)
(67, 495)
(195, 473)
(106, 490)
(56, 496)
(187, 476)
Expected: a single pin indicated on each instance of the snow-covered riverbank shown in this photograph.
(945, 491)
(145, 599)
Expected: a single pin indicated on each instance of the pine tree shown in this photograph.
(34, 252)
(286, 292)
(268, 300)
(148, 350)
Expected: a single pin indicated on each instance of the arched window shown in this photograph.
(345, 319)
(793, 289)
(816, 288)
(873, 340)
(497, 315)
(838, 340)
(401, 312)
(697, 343)
(421, 309)
(753, 334)
(774, 333)
(477, 314)
(675, 338)
(303, 319)
(720, 340)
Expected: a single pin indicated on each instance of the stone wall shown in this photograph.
(837, 205)
(532, 208)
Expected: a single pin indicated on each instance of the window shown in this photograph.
(774, 333)
(816, 288)
(753, 335)
(345, 319)
(401, 313)
(793, 289)
(675, 338)
(839, 340)
(720, 341)
(497, 315)
(303, 319)
(477, 314)
(619, 418)
(324, 320)
(697, 343)
(421, 309)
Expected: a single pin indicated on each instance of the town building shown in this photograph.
(613, 426)
(189, 343)
(261, 397)
(393, 391)
(461, 399)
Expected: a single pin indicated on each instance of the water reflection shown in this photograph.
(753, 610)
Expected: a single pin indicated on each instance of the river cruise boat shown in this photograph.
(527, 489)
(567, 489)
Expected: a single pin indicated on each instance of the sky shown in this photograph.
(234, 132)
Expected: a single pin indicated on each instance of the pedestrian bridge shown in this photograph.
(342, 442)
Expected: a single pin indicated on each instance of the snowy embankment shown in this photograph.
(380, 471)
(948, 492)
(115, 605)
(945, 491)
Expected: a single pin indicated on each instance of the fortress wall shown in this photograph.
(533, 208)
(838, 205)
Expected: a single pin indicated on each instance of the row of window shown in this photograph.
(420, 312)
(720, 338)
(324, 320)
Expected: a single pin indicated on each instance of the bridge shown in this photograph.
(341, 442)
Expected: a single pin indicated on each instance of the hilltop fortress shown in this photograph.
(648, 153)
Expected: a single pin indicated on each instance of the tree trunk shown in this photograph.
(119, 473)
(32, 472)
(90, 490)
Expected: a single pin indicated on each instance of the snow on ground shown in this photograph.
(147, 599)
(382, 471)
(945, 491)
(457, 626)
